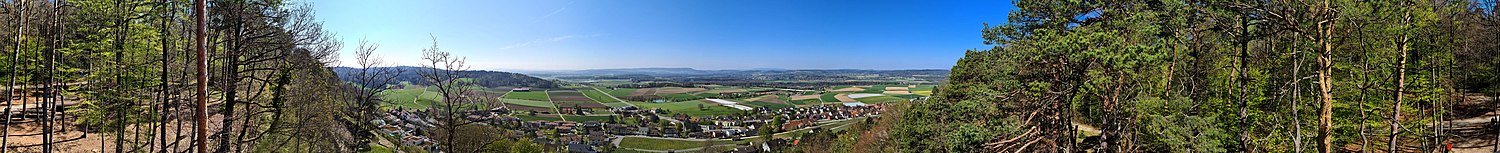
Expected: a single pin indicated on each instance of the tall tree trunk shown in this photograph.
(201, 45)
(1400, 95)
(1325, 87)
(1400, 87)
(15, 59)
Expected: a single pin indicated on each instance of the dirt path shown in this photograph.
(554, 105)
(613, 96)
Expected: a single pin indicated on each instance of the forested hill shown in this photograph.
(1230, 76)
(481, 77)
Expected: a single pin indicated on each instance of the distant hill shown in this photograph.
(625, 71)
(482, 77)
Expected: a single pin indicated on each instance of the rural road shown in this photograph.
(554, 108)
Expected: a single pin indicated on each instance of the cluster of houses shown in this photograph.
(586, 135)
(577, 137)
(826, 112)
(407, 126)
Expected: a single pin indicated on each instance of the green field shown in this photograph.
(923, 88)
(598, 96)
(417, 98)
(880, 99)
(534, 95)
(587, 118)
(772, 106)
(829, 97)
(524, 102)
(621, 92)
(689, 108)
(658, 144)
(680, 97)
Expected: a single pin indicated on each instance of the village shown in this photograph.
(630, 121)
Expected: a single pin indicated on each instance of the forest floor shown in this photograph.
(26, 135)
(1474, 129)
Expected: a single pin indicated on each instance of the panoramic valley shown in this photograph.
(683, 76)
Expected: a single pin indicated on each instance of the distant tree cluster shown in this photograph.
(483, 78)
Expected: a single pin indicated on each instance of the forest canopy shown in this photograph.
(1215, 76)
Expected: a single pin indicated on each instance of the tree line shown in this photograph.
(1216, 76)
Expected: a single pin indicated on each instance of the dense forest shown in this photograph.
(1216, 76)
(120, 76)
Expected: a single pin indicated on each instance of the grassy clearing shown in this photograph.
(622, 92)
(924, 87)
(598, 96)
(534, 95)
(417, 98)
(689, 108)
(829, 97)
(527, 102)
(658, 144)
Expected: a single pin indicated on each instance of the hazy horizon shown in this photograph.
(705, 35)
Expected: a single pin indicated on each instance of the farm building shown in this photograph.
(521, 89)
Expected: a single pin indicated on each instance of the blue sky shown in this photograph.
(703, 34)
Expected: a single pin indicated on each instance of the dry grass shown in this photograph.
(806, 97)
(770, 99)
